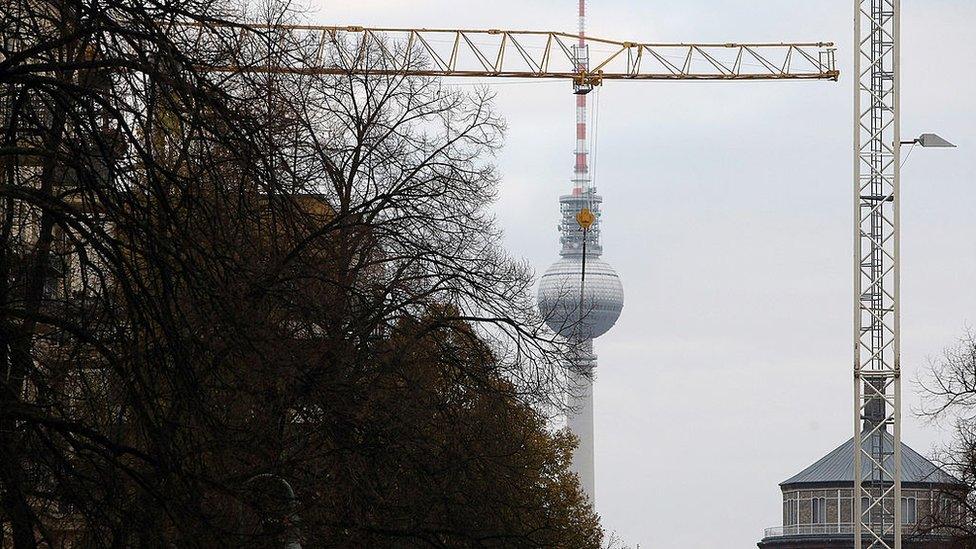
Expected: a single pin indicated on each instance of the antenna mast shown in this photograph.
(581, 170)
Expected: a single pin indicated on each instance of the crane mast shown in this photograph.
(877, 344)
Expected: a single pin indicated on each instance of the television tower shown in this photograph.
(580, 306)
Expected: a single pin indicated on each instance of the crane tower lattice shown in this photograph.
(877, 344)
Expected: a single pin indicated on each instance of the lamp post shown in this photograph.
(278, 505)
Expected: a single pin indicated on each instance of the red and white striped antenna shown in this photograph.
(581, 171)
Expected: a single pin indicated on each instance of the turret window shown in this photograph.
(819, 510)
(909, 511)
(791, 511)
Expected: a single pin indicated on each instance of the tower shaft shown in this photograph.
(877, 344)
(580, 420)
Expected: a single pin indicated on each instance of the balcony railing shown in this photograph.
(821, 530)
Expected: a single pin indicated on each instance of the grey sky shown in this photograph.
(728, 215)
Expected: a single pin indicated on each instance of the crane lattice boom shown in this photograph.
(527, 54)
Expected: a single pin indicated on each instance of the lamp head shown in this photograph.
(930, 140)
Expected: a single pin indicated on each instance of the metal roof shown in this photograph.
(837, 467)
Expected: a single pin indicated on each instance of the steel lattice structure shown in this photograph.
(529, 54)
(877, 368)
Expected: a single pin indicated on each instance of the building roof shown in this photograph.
(837, 467)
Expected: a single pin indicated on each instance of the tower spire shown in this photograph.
(581, 170)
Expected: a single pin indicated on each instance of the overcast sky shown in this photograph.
(728, 213)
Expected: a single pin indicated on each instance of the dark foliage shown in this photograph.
(254, 309)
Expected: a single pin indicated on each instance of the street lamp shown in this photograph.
(930, 140)
(278, 505)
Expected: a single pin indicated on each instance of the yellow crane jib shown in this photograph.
(495, 53)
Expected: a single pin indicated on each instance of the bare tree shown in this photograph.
(209, 278)
(950, 390)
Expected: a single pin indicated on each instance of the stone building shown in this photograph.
(818, 506)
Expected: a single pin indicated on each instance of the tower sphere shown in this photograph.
(559, 297)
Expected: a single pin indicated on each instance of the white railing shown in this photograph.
(809, 530)
(820, 530)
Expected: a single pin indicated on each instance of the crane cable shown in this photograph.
(585, 217)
